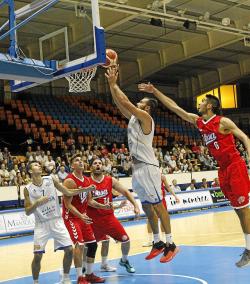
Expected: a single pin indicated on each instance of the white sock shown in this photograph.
(124, 257)
(104, 260)
(65, 276)
(156, 238)
(78, 271)
(150, 237)
(169, 238)
(247, 238)
(89, 268)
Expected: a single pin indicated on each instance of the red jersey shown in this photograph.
(221, 146)
(103, 195)
(80, 201)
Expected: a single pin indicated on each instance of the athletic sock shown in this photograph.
(150, 237)
(169, 238)
(156, 238)
(104, 260)
(124, 257)
(78, 271)
(89, 268)
(247, 238)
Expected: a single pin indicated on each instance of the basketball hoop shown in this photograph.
(80, 82)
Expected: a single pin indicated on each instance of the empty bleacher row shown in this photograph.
(49, 118)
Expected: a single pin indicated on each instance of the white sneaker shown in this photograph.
(107, 268)
(147, 244)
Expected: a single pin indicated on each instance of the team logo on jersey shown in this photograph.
(99, 193)
(209, 138)
(241, 199)
(83, 196)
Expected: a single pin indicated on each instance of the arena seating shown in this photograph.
(49, 118)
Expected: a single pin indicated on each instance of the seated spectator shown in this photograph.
(5, 175)
(19, 178)
(175, 187)
(54, 174)
(215, 183)
(204, 183)
(127, 166)
(191, 186)
(196, 149)
(62, 174)
(49, 165)
(115, 173)
(176, 170)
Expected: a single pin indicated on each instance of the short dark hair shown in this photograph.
(74, 157)
(215, 102)
(153, 103)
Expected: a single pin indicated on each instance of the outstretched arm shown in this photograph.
(71, 191)
(228, 126)
(169, 103)
(124, 191)
(122, 101)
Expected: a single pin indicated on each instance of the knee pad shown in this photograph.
(92, 247)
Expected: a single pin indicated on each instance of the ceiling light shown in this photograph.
(226, 21)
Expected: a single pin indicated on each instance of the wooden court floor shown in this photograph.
(210, 228)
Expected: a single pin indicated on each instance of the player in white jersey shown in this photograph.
(146, 178)
(40, 198)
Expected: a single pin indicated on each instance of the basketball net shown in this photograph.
(80, 82)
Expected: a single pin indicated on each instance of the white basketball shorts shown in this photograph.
(146, 182)
(54, 229)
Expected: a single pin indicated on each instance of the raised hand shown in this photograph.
(112, 75)
(148, 88)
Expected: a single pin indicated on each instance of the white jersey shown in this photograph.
(140, 144)
(49, 210)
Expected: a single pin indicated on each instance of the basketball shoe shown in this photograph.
(127, 265)
(170, 252)
(92, 278)
(82, 280)
(245, 259)
(107, 268)
(156, 250)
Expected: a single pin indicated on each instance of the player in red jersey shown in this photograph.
(104, 221)
(164, 187)
(218, 134)
(78, 223)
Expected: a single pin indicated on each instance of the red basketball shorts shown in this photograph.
(108, 226)
(79, 231)
(235, 183)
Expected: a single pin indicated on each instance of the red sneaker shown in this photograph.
(156, 250)
(92, 278)
(170, 252)
(82, 280)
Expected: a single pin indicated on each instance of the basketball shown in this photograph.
(111, 58)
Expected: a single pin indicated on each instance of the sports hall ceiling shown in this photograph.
(196, 59)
